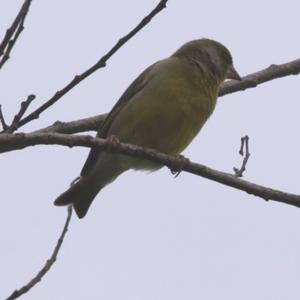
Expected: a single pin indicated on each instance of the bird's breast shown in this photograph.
(167, 113)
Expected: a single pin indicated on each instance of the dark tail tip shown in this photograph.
(82, 207)
(65, 198)
(79, 196)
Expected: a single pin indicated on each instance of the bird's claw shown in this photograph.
(112, 141)
(181, 161)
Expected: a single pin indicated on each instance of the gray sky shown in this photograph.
(152, 236)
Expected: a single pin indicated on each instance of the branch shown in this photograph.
(48, 264)
(254, 79)
(2, 120)
(82, 125)
(9, 142)
(100, 64)
(232, 86)
(238, 172)
(13, 33)
(15, 123)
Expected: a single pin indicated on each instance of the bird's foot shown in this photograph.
(112, 141)
(181, 161)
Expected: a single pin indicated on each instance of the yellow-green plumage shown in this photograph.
(164, 109)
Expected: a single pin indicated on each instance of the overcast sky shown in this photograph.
(153, 237)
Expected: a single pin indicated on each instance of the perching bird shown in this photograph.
(163, 109)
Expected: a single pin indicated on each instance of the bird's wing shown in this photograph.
(132, 90)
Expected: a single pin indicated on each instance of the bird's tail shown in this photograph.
(83, 191)
(80, 194)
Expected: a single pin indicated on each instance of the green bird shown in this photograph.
(164, 109)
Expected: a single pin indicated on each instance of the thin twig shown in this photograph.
(9, 142)
(244, 151)
(11, 43)
(251, 80)
(23, 107)
(48, 264)
(2, 120)
(82, 125)
(100, 64)
(13, 32)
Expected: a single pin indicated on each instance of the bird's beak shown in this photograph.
(232, 73)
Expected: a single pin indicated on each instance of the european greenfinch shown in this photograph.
(164, 109)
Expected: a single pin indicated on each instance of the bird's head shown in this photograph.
(211, 56)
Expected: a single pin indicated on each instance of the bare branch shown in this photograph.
(15, 123)
(100, 64)
(9, 142)
(13, 33)
(2, 120)
(48, 264)
(244, 144)
(82, 125)
(254, 79)
(251, 80)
